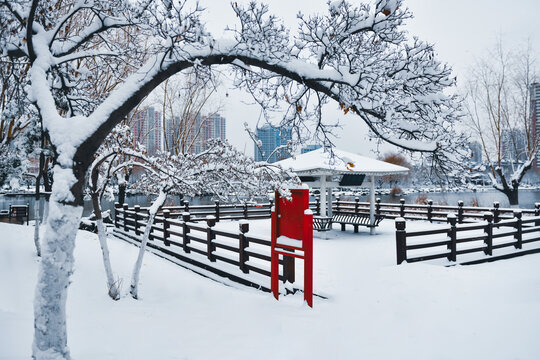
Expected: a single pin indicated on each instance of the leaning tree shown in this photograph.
(357, 56)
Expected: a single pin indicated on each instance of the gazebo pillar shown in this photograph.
(372, 205)
(322, 195)
(329, 199)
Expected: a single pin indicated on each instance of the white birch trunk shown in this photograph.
(112, 286)
(138, 264)
(36, 227)
(45, 211)
(56, 267)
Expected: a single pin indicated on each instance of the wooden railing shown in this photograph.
(222, 211)
(430, 212)
(456, 239)
(180, 236)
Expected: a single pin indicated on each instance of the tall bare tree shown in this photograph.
(499, 112)
(182, 101)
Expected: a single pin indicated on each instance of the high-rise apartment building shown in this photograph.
(535, 118)
(270, 139)
(207, 127)
(146, 128)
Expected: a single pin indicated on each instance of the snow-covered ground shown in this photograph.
(375, 310)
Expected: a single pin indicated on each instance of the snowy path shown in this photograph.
(376, 310)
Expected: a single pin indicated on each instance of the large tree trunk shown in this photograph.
(112, 286)
(37, 202)
(510, 189)
(513, 198)
(56, 267)
(138, 264)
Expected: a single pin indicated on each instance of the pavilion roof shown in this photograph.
(319, 163)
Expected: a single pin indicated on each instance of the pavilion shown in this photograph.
(319, 169)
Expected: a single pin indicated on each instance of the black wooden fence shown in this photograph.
(180, 235)
(430, 212)
(221, 211)
(458, 239)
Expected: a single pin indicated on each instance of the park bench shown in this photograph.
(355, 219)
(18, 212)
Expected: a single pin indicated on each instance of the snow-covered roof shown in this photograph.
(318, 162)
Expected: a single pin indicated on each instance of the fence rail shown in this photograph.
(183, 236)
(429, 211)
(460, 239)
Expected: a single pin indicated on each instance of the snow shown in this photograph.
(287, 241)
(320, 162)
(489, 311)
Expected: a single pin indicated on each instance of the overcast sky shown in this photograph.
(461, 31)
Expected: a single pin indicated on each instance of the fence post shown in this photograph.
(137, 208)
(271, 206)
(185, 232)
(401, 241)
(245, 210)
(166, 225)
(537, 213)
(116, 207)
(288, 269)
(496, 212)
(210, 235)
(125, 207)
(356, 204)
(460, 212)
(430, 210)
(338, 199)
(318, 206)
(519, 229)
(186, 206)
(452, 246)
(402, 208)
(217, 210)
(378, 206)
(488, 230)
(244, 257)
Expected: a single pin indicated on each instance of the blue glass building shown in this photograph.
(271, 138)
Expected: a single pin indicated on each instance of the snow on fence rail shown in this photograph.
(428, 212)
(458, 239)
(219, 211)
(233, 255)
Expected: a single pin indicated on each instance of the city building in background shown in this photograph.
(514, 145)
(147, 128)
(271, 138)
(535, 118)
(476, 152)
(309, 148)
(207, 127)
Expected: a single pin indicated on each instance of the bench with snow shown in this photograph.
(355, 219)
